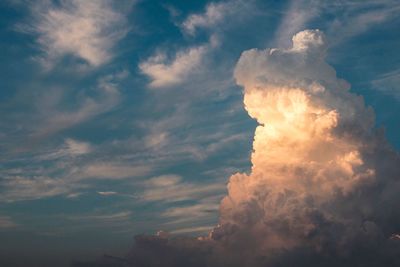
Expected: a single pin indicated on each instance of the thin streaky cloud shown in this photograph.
(88, 30)
(166, 73)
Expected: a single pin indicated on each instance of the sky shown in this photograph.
(120, 118)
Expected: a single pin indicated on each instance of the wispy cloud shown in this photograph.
(6, 222)
(109, 217)
(107, 193)
(295, 18)
(86, 29)
(388, 83)
(351, 18)
(356, 17)
(57, 109)
(193, 213)
(165, 73)
(104, 97)
(110, 170)
(17, 188)
(70, 148)
(214, 14)
(172, 188)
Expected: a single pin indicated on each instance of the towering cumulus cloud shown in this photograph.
(323, 180)
(324, 188)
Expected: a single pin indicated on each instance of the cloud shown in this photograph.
(6, 222)
(323, 187)
(350, 19)
(165, 74)
(110, 170)
(107, 193)
(18, 187)
(171, 188)
(358, 17)
(295, 19)
(215, 16)
(91, 102)
(388, 83)
(314, 151)
(199, 216)
(105, 218)
(214, 13)
(71, 148)
(88, 30)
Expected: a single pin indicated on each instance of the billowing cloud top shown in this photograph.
(316, 182)
(323, 183)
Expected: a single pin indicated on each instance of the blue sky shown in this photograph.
(123, 117)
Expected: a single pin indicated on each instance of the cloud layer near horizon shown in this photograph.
(323, 183)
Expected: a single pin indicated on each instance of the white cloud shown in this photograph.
(314, 153)
(351, 18)
(85, 29)
(214, 13)
(215, 16)
(295, 19)
(164, 73)
(357, 17)
(323, 183)
(107, 193)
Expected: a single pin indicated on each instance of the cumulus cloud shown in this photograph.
(85, 29)
(323, 187)
(165, 73)
(296, 17)
(350, 19)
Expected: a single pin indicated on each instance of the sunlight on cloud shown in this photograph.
(86, 29)
(213, 14)
(320, 175)
(164, 73)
